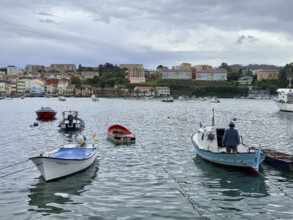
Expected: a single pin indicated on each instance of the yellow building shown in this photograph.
(186, 66)
(269, 74)
(131, 66)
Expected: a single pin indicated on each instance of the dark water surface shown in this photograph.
(159, 177)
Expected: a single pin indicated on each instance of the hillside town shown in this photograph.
(55, 80)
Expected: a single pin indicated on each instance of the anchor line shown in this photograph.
(186, 195)
(2, 168)
(275, 185)
(16, 171)
(218, 205)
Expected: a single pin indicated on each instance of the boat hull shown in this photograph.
(54, 168)
(285, 107)
(120, 135)
(46, 115)
(279, 160)
(249, 161)
(76, 125)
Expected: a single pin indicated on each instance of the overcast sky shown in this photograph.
(148, 32)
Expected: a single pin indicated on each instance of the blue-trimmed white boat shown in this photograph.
(207, 143)
(66, 160)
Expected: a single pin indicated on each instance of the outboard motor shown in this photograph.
(80, 139)
(70, 119)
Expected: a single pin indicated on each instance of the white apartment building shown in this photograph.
(13, 70)
(162, 91)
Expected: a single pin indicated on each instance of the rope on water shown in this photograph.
(279, 188)
(186, 195)
(2, 168)
(16, 171)
(218, 205)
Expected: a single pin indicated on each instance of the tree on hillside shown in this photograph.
(226, 66)
(76, 80)
(285, 74)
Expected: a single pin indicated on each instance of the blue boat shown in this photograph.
(71, 121)
(207, 143)
(279, 160)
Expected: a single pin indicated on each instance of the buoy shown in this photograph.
(169, 117)
(36, 124)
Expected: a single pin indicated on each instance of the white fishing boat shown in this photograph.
(168, 99)
(214, 100)
(207, 141)
(67, 160)
(94, 98)
(61, 98)
(284, 99)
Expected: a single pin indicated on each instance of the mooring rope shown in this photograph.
(16, 171)
(218, 205)
(185, 195)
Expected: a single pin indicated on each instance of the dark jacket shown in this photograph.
(231, 137)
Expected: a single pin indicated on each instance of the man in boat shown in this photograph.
(231, 138)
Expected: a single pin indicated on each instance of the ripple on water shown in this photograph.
(158, 177)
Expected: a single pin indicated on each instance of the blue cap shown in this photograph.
(231, 124)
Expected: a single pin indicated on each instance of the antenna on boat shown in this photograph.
(213, 118)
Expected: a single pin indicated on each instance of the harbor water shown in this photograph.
(158, 177)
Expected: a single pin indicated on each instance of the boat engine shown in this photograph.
(70, 119)
(80, 139)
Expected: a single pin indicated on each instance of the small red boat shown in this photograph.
(46, 113)
(120, 135)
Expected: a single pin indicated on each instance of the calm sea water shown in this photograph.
(159, 177)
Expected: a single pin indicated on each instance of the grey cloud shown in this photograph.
(49, 21)
(244, 38)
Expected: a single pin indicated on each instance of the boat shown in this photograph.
(71, 121)
(61, 98)
(46, 113)
(214, 100)
(284, 98)
(207, 142)
(120, 135)
(66, 160)
(278, 159)
(94, 98)
(168, 99)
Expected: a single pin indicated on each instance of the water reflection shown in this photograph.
(229, 182)
(46, 197)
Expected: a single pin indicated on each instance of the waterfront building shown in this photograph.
(62, 86)
(143, 91)
(36, 89)
(268, 74)
(20, 86)
(4, 88)
(162, 91)
(52, 86)
(70, 90)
